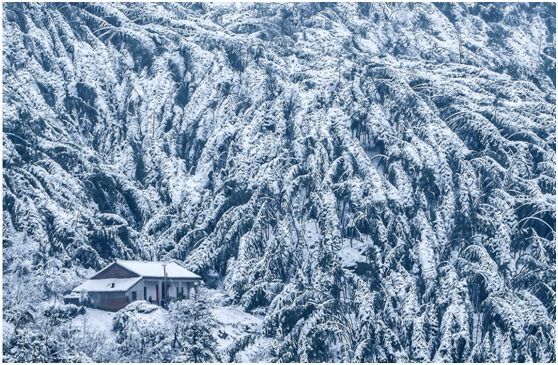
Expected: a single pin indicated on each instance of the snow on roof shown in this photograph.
(155, 269)
(104, 285)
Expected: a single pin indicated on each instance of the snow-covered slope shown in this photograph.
(375, 181)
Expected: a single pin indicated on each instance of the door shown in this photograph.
(157, 293)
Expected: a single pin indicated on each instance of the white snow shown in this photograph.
(95, 320)
(234, 323)
(112, 285)
(156, 269)
(151, 155)
(258, 352)
(350, 254)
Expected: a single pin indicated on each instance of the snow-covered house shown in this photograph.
(123, 282)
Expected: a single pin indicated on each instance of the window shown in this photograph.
(134, 296)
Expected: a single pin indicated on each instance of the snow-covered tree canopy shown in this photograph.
(377, 181)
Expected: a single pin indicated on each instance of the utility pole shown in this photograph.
(165, 290)
(82, 302)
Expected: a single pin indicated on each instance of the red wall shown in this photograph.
(115, 271)
(111, 301)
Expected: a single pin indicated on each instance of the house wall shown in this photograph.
(149, 290)
(111, 301)
(115, 271)
(185, 288)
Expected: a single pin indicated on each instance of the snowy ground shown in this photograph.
(95, 320)
(232, 324)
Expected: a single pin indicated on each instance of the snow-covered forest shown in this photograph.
(353, 182)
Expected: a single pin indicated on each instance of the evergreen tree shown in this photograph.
(192, 331)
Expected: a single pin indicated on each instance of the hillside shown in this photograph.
(375, 182)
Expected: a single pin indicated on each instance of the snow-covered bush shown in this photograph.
(57, 314)
(142, 333)
(192, 331)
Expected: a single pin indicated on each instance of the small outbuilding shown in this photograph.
(123, 282)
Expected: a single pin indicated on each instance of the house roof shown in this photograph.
(104, 285)
(155, 269)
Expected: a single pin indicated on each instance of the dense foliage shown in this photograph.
(376, 180)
